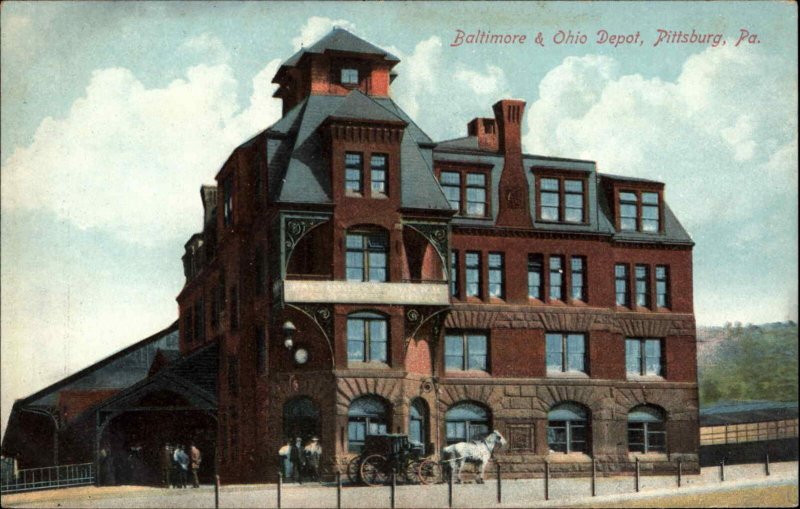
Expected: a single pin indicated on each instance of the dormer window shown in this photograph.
(349, 76)
(561, 199)
(639, 211)
(466, 191)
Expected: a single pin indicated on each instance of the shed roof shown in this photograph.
(739, 412)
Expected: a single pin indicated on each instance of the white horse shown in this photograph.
(477, 452)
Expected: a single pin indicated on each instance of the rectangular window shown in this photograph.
(367, 339)
(451, 185)
(378, 173)
(621, 283)
(642, 286)
(565, 352)
(476, 194)
(473, 275)
(557, 277)
(643, 356)
(465, 351)
(227, 205)
(561, 199)
(639, 211)
(366, 258)
(454, 273)
(352, 172)
(496, 275)
(627, 211)
(578, 277)
(349, 77)
(650, 217)
(535, 276)
(662, 286)
(549, 200)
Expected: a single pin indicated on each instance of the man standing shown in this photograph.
(298, 460)
(165, 461)
(196, 458)
(313, 452)
(182, 459)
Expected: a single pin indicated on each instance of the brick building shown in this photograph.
(360, 278)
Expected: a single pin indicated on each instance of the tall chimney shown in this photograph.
(514, 207)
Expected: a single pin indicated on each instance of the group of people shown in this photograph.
(176, 463)
(299, 461)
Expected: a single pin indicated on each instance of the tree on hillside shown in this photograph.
(752, 363)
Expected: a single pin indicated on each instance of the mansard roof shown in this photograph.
(340, 40)
(299, 172)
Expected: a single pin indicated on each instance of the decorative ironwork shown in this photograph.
(295, 227)
(417, 317)
(426, 386)
(322, 315)
(437, 234)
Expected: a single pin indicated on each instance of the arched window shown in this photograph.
(418, 422)
(567, 428)
(466, 421)
(367, 338)
(368, 415)
(367, 255)
(646, 430)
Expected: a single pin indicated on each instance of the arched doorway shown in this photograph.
(418, 423)
(301, 419)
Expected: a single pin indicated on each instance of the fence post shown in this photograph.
(338, 489)
(546, 480)
(499, 484)
(637, 475)
(594, 477)
(394, 486)
(680, 472)
(450, 488)
(766, 463)
(722, 470)
(280, 483)
(216, 491)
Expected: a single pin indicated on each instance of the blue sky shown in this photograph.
(114, 114)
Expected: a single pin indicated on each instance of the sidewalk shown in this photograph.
(611, 492)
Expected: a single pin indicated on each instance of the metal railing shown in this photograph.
(61, 476)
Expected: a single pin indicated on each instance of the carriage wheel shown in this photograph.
(411, 472)
(429, 472)
(354, 470)
(374, 470)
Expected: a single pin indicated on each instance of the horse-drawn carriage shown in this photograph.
(384, 454)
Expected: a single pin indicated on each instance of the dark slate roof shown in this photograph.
(199, 367)
(117, 371)
(299, 171)
(358, 106)
(340, 39)
(739, 412)
(629, 179)
(465, 143)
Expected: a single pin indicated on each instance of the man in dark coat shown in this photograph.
(298, 460)
(165, 462)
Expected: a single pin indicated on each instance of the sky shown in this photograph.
(114, 114)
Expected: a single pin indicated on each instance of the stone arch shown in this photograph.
(675, 405)
(350, 389)
(482, 394)
(600, 405)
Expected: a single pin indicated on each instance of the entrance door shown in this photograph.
(301, 419)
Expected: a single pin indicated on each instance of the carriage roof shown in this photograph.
(385, 444)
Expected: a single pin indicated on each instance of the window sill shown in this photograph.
(567, 374)
(379, 196)
(367, 365)
(353, 194)
(648, 456)
(471, 373)
(646, 378)
(568, 457)
(568, 223)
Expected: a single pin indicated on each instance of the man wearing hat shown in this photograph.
(313, 452)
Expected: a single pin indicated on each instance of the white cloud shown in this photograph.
(492, 82)
(722, 135)
(317, 27)
(208, 46)
(417, 74)
(128, 159)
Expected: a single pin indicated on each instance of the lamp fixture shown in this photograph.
(288, 332)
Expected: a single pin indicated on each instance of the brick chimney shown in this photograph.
(486, 131)
(514, 205)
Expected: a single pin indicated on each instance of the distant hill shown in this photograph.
(747, 362)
